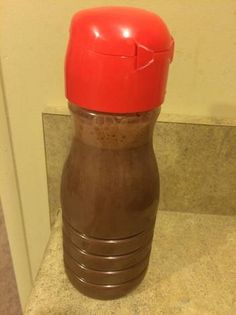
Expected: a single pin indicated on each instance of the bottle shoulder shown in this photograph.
(113, 130)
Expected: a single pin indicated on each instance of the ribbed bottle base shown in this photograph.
(104, 292)
(105, 269)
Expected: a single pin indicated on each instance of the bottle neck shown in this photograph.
(113, 131)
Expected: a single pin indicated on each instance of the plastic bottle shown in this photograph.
(115, 83)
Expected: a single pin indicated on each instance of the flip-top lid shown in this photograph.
(118, 30)
(117, 60)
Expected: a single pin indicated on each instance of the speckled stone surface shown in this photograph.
(57, 139)
(192, 271)
(196, 161)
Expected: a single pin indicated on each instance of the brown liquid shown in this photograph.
(109, 195)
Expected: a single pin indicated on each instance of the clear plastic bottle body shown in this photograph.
(109, 195)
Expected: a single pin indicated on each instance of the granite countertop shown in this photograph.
(192, 270)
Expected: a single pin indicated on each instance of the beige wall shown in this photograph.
(202, 76)
(33, 42)
(11, 207)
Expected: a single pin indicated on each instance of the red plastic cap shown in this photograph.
(117, 60)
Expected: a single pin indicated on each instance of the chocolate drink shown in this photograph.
(116, 70)
(109, 195)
